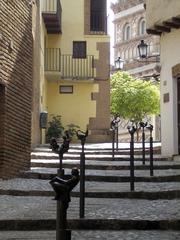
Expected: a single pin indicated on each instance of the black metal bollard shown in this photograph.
(82, 137)
(150, 127)
(143, 125)
(113, 129)
(117, 120)
(132, 130)
(62, 189)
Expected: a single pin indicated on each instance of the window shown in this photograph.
(66, 89)
(98, 16)
(126, 32)
(79, 49)
(142, 27)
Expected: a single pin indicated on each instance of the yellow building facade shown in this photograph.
(74, 65)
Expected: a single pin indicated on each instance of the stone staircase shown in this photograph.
(112, 211)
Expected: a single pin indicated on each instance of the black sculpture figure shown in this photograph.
(63, 187)
(54, 145)
(82, 136)
(65, 145)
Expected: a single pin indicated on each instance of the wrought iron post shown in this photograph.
(117, 120)
(132, 130)
(82, 137)
(62, 189)
(150, 127)
(143, 125)
(113, 129)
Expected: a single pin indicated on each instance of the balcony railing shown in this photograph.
(67, 66)
(51, 12)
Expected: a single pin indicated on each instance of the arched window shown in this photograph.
(142, 26)
(126, 32)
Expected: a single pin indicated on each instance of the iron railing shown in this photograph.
(69, 67)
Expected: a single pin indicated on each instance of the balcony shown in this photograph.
(58, 66)
(51, 13)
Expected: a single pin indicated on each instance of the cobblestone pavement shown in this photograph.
(19, 207)
(91, 235)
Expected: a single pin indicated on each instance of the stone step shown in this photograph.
(110, 178)
(91, 224)
(171, 194)
(37, 187)
(103, 165)
(72, 151)
(94, 234)
(39, 213)
(105, 172)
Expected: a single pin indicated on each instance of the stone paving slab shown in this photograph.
(36, 208)
(92, 235)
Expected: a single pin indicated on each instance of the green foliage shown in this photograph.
(133, 99)
(55, 129)
(72, 128)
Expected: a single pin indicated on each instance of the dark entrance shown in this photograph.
(178, 111)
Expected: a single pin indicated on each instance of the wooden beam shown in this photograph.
(171, 24)
(162, 28)
(153, 31)
(176, 20)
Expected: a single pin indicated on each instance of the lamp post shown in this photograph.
(143, 52)
(142, 49)
(119, 63)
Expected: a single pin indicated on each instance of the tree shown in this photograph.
(133, 99)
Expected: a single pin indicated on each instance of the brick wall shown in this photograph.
(16, 95)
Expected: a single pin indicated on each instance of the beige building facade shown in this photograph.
(163, 19)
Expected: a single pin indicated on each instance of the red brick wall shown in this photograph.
(16, 75)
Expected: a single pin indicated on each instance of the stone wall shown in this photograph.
(16, 86)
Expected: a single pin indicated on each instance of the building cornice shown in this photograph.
(129, 11)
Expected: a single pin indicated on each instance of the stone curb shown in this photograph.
(90, 224)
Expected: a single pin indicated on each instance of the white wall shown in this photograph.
(170, 56)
